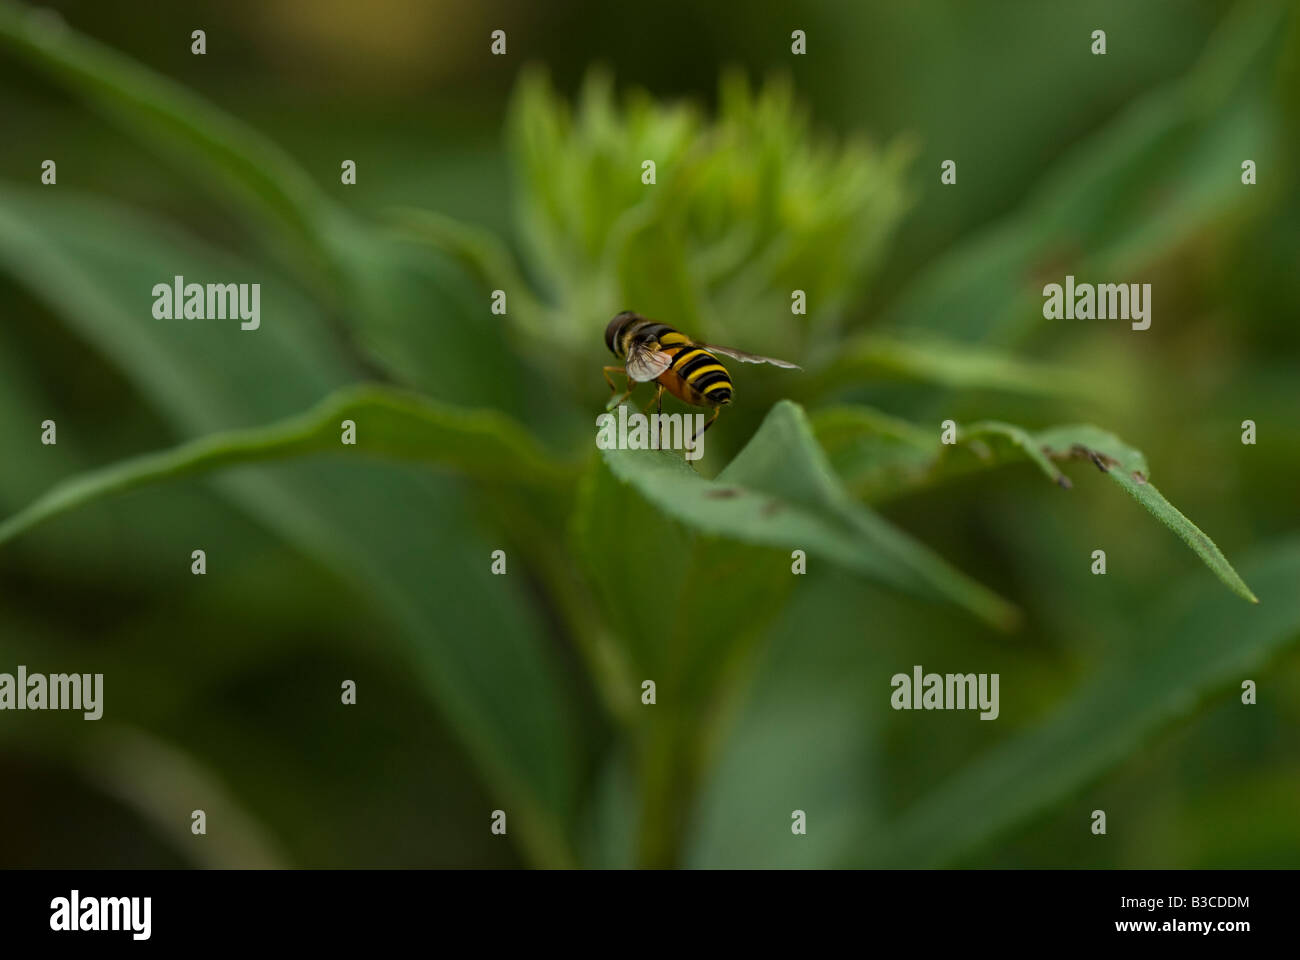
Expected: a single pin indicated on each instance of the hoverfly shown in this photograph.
(684, 367)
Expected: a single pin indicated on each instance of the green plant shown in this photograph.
(627, 546)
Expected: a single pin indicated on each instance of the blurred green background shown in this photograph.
(775, 172)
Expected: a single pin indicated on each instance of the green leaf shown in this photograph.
(781, 492)
(475, 642)
(657, 583)
(697, 640)
(480, 251)
(878, 456)
(1200, 645)
(805, 738)
(95, 264)
(156, 780)
(23, 405)
(957, 366)
(1151, 181)
(1129, 470)
(388, 291)
(217, 148)
(425, 320)
(389, 424)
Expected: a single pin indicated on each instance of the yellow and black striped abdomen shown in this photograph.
(703, 374)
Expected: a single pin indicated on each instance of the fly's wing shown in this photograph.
(749, 357)
(644, 365)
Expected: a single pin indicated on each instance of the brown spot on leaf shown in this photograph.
(1100, 460)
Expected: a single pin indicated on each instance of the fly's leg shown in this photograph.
(716, 411)
(658, 401)
(613, 389)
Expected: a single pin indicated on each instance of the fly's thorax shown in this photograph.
(617, 330)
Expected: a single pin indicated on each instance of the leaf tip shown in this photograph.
(1238, 586)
